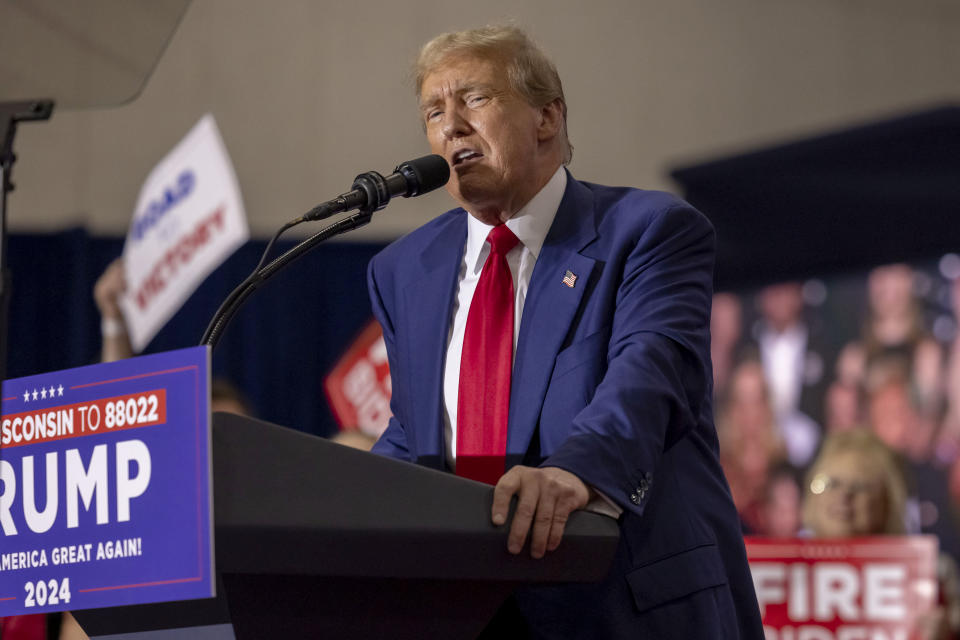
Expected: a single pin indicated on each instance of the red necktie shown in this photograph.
(483, 403)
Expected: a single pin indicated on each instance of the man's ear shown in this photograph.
(551, 120)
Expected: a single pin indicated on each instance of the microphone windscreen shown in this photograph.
(425, 174)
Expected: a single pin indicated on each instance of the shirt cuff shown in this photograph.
(603, 505)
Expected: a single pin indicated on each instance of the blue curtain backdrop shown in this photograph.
(277, 350)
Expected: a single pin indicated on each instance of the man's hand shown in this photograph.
(545, 497)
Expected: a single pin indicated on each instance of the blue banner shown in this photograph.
(105, 487)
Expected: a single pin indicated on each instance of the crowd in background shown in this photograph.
(837, 407)
(796, 362)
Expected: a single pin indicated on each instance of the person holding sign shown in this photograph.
(551, 337)
(110, 286)
(855, 488)
(113, 328)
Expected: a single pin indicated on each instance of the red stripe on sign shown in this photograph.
(141, 584)
(142, 375)
(142, 409)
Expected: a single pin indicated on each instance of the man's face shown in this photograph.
(488, 133)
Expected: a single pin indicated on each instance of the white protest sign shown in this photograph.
(189, 219)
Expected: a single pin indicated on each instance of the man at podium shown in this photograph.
(551, 337)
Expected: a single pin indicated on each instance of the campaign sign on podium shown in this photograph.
(105, 489)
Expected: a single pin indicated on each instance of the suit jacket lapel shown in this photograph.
(549, 310)
(429, 298)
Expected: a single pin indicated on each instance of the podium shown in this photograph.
(314, 539)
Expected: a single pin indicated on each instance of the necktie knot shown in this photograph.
(501, 240)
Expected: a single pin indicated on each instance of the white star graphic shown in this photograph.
(60, 390)
(50, 392)
(43, 393)
(26, 396)
(34, 394)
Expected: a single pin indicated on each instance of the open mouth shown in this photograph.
(465, 156)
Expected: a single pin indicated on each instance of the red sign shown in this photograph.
(358, 388)
(844, 589)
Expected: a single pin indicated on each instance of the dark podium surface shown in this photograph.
(317, 539)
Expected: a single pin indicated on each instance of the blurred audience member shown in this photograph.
(41, 626)
(856, 488)
(955, 482)
(894, 329)
(896, 419)
(726, 328)
(113, 328)
(842, 410)
(892, 410)
(225, 396)
(948, 445)
(30, 627)
(780, 513)
(750, 442)
(793, 362)
(70, 629)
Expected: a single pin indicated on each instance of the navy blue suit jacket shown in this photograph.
(611, 381)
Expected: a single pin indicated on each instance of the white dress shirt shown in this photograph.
(784, 357)
(530, 225)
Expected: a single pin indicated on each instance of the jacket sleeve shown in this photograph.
(393, 441)
(658, 365)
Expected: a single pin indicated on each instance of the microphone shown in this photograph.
(371, 191)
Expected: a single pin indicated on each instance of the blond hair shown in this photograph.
(867, 445)
(530, 73)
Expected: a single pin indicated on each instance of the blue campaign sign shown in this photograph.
(105, 489)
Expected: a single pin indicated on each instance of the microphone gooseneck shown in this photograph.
(371, 192)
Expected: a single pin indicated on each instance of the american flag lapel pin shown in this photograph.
(570, 278)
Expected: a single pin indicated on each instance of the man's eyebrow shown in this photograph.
(428, 103)
(478, 86)
(466, 88)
